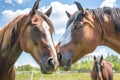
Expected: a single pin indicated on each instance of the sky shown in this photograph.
(9, 9)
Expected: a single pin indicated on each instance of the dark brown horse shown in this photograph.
(102, 70)
(86, 29)
(31, 33)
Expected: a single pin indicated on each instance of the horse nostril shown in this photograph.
(59, 55)
(51, 62)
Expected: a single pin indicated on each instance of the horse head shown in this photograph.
(81, 36)
(36, 38)
(98, 68)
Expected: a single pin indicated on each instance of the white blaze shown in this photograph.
(98, 70)
(67, 36)
(49, 39)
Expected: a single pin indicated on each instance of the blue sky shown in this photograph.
(9, 9)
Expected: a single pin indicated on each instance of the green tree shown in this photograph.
(115, 60)
(85, 64)
(26, 68)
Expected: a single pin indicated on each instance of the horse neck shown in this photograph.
(110, 36)
(10, 48)
(105, 71)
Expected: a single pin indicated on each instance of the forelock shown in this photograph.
(76, 17)
(46, 18)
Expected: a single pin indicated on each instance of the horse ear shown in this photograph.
(35, 7)
(68, 14)
(48, 12)
(80, 8)
(101, 58)
(94, 57)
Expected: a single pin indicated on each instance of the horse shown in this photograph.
(31, 33)
(85, 30)
(102, 70)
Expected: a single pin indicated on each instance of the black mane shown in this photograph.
(113, 12)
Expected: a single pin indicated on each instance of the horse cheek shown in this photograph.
(89, 41)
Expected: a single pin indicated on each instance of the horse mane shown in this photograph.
(9, 33)
(113, 12)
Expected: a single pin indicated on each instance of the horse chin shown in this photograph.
(46, 70)
(66, 68)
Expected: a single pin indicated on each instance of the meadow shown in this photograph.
(59, 76)
(25, 72)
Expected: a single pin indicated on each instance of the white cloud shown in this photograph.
(108, 3)
(8, 1)
(8, 15)
(59, 17)
(19, 1)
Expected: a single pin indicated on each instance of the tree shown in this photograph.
(85, 64)
(26, 68)
(112, 58)
(115, 60)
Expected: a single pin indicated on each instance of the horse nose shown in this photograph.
(59, 56)
(51, 62)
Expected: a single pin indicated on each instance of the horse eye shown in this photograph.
(77, 27)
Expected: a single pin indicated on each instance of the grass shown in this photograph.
(60, 76)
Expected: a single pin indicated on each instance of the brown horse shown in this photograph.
(86, 29)
(31, 33)
(102, 70)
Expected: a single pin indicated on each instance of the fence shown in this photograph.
(59, 75)
(55, 76)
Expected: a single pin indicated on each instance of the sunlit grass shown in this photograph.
(60, 76)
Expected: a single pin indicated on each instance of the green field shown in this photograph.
(60, 76)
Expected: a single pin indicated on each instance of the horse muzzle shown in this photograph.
(67, 66)
(65, 62)
(50, 66)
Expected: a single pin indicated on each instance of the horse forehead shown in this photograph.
(48, 21)
(97, 61)
(37, 19)
(40, 19)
